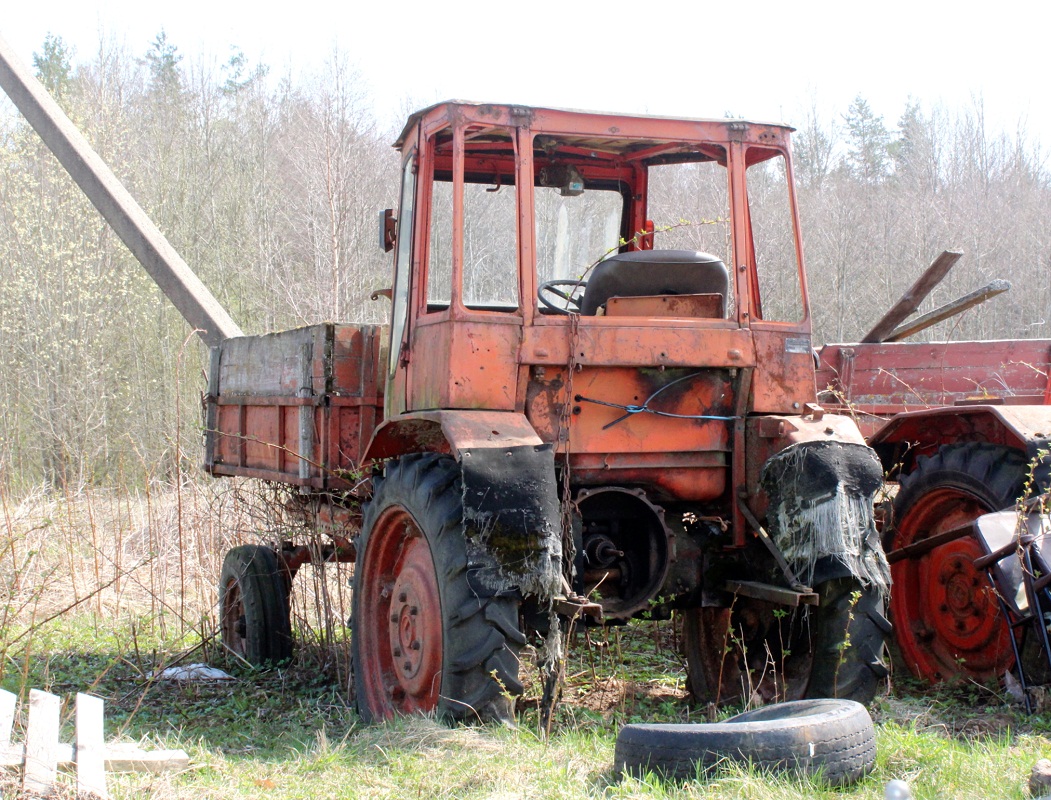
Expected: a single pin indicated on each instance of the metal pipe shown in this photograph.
(174, 277)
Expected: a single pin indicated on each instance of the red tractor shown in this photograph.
(595, 399)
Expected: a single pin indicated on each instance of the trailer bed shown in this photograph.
(298, 406)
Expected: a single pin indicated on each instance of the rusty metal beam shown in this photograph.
(958, 306)
(174, 277)
(911, 300)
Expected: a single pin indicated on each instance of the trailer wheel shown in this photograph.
(423, 642)
(253, 606)
(835, 651)
(833, 739)
(947, 618)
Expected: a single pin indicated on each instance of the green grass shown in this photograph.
(99, 591)
(291, 733)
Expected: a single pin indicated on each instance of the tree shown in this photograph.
(163, 59)
(868, 140)
(53, 67)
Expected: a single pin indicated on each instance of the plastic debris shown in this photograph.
(193, 672)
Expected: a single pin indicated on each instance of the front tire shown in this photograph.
(423, 641)
(832, 651)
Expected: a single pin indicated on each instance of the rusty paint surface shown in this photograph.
(266, 384)
(709, 306)
(464, 364)
(612, 341)
(785, 378)
(450, 432)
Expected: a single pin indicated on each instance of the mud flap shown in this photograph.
(511, 520)
(821, 511)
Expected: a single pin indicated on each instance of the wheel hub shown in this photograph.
(403, 653)
(948, 621)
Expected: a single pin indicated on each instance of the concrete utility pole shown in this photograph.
(174, 277)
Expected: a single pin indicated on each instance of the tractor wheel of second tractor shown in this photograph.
(947, 620)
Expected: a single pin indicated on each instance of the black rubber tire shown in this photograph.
(836, 650)
(831, 739)
(253, 606)
(849, 630)
(994, 475)
(480, 636)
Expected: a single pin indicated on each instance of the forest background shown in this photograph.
(269, 189)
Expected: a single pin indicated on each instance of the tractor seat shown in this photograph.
(641, 273)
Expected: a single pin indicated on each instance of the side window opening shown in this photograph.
(773, 238)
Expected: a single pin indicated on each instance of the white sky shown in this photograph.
(761, 60)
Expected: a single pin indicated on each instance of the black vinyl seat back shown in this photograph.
(655, 272)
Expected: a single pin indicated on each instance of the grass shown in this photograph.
(101, 595)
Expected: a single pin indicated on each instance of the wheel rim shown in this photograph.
(234, 624)
(400, 626)
(947, 619)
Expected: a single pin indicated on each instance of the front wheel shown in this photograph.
(423, 641)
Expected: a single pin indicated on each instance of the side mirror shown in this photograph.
(388, 230)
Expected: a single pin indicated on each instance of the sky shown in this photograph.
(760, 60)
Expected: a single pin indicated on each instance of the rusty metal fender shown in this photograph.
(913, 433)
(449, 432)
(770, 434)
(511, 508)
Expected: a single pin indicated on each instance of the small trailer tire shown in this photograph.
(833, 740)
(253, 606)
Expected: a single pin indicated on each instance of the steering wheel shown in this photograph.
(568, 297)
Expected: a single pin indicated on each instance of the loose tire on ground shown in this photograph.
(947, 620)
(422, 641)
(833, 739)
(253, 606)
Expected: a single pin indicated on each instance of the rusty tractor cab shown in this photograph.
(600, 383)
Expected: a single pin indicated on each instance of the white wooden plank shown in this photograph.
(7, 717)
(91, 747)
(120, 757)
(41, 743)
(132, 758)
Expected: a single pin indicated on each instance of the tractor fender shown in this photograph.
(820, 511)
(908, 435)
(449, 432)
(512, 516)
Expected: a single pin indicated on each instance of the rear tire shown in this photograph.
(947, 619)
(253, 606)
(835, 651)
(423, 641)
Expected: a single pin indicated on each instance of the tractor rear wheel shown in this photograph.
(947, 619)
(833, 650)
(423, 642)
